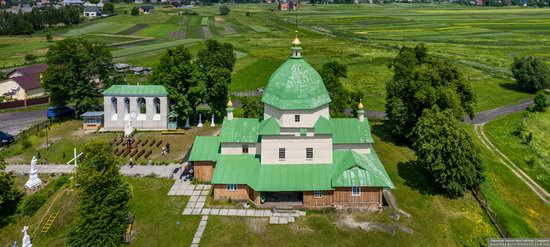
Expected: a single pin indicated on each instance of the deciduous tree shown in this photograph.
(447, 151)
(252, 107)
(73, 64)
(216, 54)
(540, 101)
(421, 81)
(9, 195)
(102, 212)
(331, 74)
(531, 74)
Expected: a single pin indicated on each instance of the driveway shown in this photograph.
(15, 122)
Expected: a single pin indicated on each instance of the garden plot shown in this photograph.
(134, 29)
(151, 47)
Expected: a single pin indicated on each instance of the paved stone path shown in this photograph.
(200, 231)
(161, 171)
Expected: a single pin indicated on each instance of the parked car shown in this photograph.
(5, 138)
(60, 111)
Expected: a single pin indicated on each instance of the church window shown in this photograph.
(245, 149)
(296, 118)
(282, 154)
(309, 153)
(318, 194)
(232, 187)
(355, 191)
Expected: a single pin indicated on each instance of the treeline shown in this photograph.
(38, 19)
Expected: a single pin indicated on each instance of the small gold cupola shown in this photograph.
(296, 47)
(229, 103)
(229, 109)
(360, 111)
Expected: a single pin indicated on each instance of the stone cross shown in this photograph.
(187, 126)
(212, 124)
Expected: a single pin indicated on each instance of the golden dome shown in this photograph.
(360, 105)
(296, 41)
(229, 103)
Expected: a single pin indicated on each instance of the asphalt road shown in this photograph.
(15, 122)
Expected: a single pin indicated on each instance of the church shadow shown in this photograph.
(383, 131)
(416, 177)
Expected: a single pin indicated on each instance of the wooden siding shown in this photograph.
(254, 196)
(221, 193)
(203, 170)
(369, 195)
(324, 201)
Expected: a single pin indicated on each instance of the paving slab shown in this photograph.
(199, 205)
(283, 220)
(268, 213)
(194, 198)
(232, 212)
(258, 213)
(194, 245)
(302, 213)
(200, 187)
(208, 187)
(187, 211)
(188, 192)
(215, 211)
(205, 211)
(223, 211)
(196, 240)
(250, 212)
(205, 192)
(273, 220)
(191, 204)
(197, 211)
(196, 193)
(202, 223)
(241, 212)
(202, 199)
(291, 219)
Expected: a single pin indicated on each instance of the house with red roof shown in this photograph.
(24, 83)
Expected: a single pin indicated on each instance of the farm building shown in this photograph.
(24, 83)
(145, 106)
(297, 155)
(288, 5)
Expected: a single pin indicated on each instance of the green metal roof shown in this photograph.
(205, 148)
(349, 169)
(363, 170)
(240, 130)
(136, 90)
(351, 130)
(344, 130)
(270, 127)
(295, 85)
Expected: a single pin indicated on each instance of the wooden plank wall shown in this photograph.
(203, 170)
(325, 201)
(221, 193)
(368, 195)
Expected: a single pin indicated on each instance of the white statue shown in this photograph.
(212, 124)
(187, 126)
(200, 121)
(26, 237)
(34, 180)
(128, 129)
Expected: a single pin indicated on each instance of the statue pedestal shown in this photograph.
(34, 181)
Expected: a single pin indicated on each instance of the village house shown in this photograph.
(24, 83)
(91, 11)
(73, 2)
(145, 106)
(297, 155)
(288, 5)
(146, 9)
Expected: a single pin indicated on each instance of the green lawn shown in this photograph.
(151, 47)
(254, 75)
(500, 132)
(515, 204)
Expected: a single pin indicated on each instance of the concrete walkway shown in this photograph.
(160, 171)
(200, 231)
(199, 193)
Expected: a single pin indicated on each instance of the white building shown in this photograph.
(146, 106)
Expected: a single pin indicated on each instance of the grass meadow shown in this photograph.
(533, 158)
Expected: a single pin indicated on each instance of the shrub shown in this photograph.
(32, 203)
(49, 38)
(541, 101)
(30, 58)
(135, 11)
(25, 142)
(224, 10)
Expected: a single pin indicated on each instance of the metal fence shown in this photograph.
(493, 216)
(24, 103)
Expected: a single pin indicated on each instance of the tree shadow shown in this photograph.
(417, 177)
(383, 131)
(512, 86)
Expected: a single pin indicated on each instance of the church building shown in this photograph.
(297, 154)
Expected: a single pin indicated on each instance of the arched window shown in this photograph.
(156, 102)
(127, 106)
(114, 105)
(142, 106)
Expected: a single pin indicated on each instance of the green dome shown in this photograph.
(296, 85)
